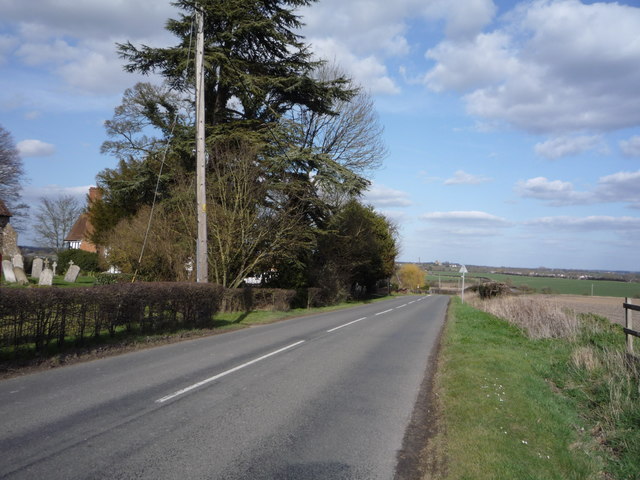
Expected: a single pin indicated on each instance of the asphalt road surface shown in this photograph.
(320, 397)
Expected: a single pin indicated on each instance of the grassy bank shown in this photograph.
(513, 406)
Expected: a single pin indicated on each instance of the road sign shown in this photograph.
(463, 270)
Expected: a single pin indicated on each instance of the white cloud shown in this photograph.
(552, 67)
(75, 41)
(464, 19)
(555, 192)
(620, 187)
(463, 178)
(631, 147)
(383, 197)
(569, 145)
(588, 224)
(35, 148)
(474, 218)
(460, 66)
(368, 71)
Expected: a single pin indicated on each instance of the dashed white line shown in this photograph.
(350, 323)
(401, 306)
(220, 375)
(386, 311)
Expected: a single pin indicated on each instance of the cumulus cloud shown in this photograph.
(555, 192)
(464, 19)
(368, 71)
(463, 178)
(620, 187)
(551, 67)
(570, 145)
(631, 147)
(76, 40)
(384, 197)
(35, 148)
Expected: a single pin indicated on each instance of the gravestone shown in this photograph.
(72, 272)
(55, 266)
(18, 261)
(21, 276)
(7, 271)
(9, 241)
(46, 277)
(36, 268)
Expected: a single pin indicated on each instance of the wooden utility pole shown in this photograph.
(202, 275)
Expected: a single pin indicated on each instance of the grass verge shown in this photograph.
(515, 407)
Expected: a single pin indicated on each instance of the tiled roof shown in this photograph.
(79, 229)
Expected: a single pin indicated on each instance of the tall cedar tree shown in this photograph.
(256, 66)
(256, 69)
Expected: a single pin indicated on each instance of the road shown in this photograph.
(325, 396)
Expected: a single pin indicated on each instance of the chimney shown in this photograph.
(94, 194)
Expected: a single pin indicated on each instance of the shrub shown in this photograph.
(87, 261)
(112, 278)
(492, 289)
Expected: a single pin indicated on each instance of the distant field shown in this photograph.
(563, 286)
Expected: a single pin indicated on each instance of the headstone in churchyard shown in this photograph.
(7, 271)
(36, 268)
(9, 241)
(18, 261)
(46, 277)
(72, 272)
(55, 266)
(21, 277)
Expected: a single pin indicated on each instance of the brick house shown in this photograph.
(78, 237)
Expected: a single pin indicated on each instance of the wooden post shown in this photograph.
(628, 320)
(202, 275)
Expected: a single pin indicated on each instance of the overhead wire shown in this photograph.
(162, 163)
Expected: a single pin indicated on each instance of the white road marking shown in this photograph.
(350, 323)
(220, 375)
(386, 311)
(401, 306)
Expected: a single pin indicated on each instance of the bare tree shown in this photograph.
(11, 178)
(54, 219)
(351, 137)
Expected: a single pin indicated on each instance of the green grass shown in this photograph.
(502, 418)
(58, 281)
(565, 286)
(513, 407)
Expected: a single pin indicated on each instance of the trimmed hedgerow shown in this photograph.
(35, 318)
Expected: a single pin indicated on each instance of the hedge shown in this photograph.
(38, 317)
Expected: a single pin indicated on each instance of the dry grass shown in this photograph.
(538, 317)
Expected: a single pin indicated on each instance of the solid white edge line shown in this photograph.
(220, 375)
(346, 324)
(386, 311)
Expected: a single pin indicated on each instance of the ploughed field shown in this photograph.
(608, 307)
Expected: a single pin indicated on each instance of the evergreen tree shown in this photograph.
(256, 66)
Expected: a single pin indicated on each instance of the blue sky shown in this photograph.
(513, 128)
